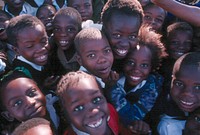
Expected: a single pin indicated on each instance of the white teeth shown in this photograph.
(186, 103)
(97, 124)
(63, 43)
(42, 57)
(122, 51)
(135, 78)
(179, 53)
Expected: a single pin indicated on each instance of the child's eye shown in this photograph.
(32, 93)
(197, 87)
(159, 20)
(130, 63)
(174, 42)
(70, 29)
(78, 108)
(87, 5)
(29, 46)
(117, 36)
(17, 103)
(146, 17)
(96, 100)
(56, 29)
(107, 50)
(144, 65)
(132, 37)
(91, 55)
(178, 83)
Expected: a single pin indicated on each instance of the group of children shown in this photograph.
(138, 73)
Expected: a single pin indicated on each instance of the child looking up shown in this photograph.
(18, 7)
(21, 99)
(34, 126)
(95, 55)
(136, 91)
(154, 16)
(86, 107)
(29, 39)
(46, 13)
(66, 23)
(184, 92)
(121, 23)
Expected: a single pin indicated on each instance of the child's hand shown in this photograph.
(51, 82)
(112, 79)
(140, 127)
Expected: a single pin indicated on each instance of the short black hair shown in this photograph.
(43, 6)
(19, 23)
(188, 59)
(129, 7)
(69, 11)
(31, 123)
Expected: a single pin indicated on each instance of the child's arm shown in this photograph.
(112, 79)
(188, 13)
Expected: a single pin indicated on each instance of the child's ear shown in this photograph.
(7, 116)
(78, 58)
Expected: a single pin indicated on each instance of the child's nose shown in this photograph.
(102, 59)
(30, 102)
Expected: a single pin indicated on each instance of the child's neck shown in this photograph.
(60, 3)
(14, 11)
(69, 53)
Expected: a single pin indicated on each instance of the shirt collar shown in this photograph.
(121, 81)
(37, 67)
(97, 78)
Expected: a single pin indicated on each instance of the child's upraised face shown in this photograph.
(185, 88)
(154, 17)
(179, 43)
(96, 56)
(65, 30)
(15, 4)
(46, 15)
(122, 32)
(3, 25)
(86, 107)
(137, 65)
(84, 7)
(23, 100)
(32, 44)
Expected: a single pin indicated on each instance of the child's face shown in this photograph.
(46, 15)
(96, 56)
(65, 30)
(84, 7)
(185, 88)
(23, 100)
(154, 17)
(122, 32)
(179, 43)
(86, 107)
(32, 43)
(16, 4)
(40, 130)
(137, 66)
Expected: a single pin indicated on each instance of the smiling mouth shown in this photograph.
(35, 112)
(135, 78)
(95, 124)
(121, 52)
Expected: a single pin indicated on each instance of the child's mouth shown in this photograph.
(96, 123)
(2, 30)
